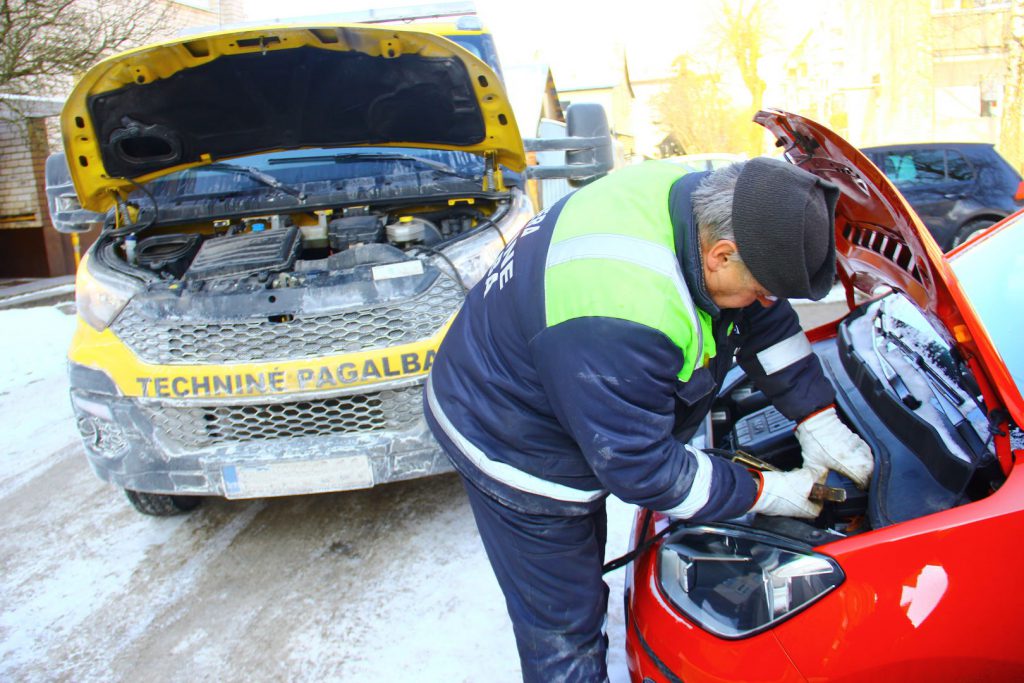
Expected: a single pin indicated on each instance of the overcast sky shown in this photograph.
(577, 39)
(582, 41)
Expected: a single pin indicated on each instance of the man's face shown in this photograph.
(729, 283)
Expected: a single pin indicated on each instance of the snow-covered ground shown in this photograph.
(389, 584)
(35, 415)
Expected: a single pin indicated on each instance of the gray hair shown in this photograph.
(712, 204)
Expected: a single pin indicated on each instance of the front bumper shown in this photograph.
(271, 446)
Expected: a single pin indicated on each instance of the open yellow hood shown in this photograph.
(206, 98)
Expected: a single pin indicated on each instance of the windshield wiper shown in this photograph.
(376, 156)
(945, 398)
(939, 380)
(882, 346)
(257, 175)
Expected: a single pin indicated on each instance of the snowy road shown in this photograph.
(389, 584)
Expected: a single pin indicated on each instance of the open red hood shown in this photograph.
(879, 238)
(881, 241)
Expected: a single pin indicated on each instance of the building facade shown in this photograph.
(892, 71)
(29, 131)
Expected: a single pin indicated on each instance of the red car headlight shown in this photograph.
(737, 582)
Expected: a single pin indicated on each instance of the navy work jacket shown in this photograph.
(549, 420)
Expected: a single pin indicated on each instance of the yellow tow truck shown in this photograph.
(291, 215)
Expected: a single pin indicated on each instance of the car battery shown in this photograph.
(767, 434)
(856, 502)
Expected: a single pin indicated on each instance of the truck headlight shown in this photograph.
(472, 257)
(100, 296)
(737, 582)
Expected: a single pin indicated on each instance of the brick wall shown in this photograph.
(29, 245)
(60, 257)
(19, 203)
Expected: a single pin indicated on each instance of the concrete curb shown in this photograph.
(36, 292)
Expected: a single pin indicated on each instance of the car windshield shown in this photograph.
(992, 275)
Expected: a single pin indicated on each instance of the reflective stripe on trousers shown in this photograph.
(502, 472)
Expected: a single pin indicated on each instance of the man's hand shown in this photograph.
(828, 444)
(785, 494)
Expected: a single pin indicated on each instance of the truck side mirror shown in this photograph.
(66, 212)
(588, 147)
(588, 120)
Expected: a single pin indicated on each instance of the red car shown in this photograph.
(913, 579)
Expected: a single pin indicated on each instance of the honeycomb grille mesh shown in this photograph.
(204, 426)
(170, 342)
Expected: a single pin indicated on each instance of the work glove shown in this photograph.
(828, 444)
(786, 494)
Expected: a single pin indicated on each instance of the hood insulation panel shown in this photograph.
(305, 97)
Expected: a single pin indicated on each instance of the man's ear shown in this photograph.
(717, 256)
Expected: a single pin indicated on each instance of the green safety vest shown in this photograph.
(613, 255)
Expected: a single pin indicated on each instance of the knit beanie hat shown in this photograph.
(784, 221)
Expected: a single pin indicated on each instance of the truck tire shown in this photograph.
(968, 229)
(160, 504)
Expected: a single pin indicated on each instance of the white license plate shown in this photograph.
(296, 478)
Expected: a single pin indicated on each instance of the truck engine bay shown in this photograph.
(299, 249)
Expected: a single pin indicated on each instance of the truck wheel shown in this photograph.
(967, 231)
(161, 505)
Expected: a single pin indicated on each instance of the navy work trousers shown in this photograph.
(549, 568)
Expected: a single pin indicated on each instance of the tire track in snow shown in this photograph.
(69, 621)
(185, 579)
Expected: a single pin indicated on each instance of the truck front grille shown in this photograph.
(171, 342)
(191, 428)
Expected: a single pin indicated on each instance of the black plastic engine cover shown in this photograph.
(264, 251)
(902, 486)
(171, 253)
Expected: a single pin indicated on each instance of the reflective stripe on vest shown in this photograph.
(502, 472)
(783, 354)
(649, 255)
(612, 254)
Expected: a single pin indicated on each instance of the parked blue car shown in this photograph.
(957, 188)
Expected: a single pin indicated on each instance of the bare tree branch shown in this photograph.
(46, 42)
(1011, 137)
(744, 32)
(696, 109)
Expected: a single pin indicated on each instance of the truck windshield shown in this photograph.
(312, 171)
(481, 45)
